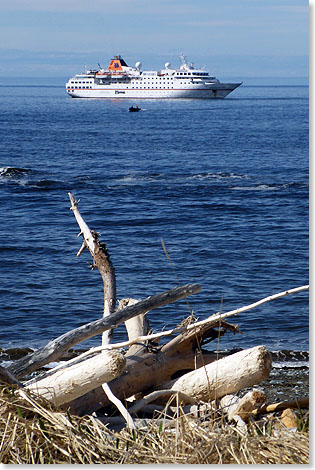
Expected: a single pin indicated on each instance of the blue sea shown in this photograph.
(222, 183)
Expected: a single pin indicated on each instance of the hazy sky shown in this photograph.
(230, 37)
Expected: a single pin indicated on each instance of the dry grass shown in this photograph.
(32, 433)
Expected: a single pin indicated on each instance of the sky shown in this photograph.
(231, 38)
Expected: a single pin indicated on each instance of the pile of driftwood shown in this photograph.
(140, 376)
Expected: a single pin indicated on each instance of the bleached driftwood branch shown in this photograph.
(100, 255)
(158, 394)
(106, 338)
(57, 347)
(212, 320)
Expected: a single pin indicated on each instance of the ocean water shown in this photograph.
(223, 183)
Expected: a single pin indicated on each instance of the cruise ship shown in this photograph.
(122, 81)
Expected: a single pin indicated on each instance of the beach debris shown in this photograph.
(140, 376)
(240, 409)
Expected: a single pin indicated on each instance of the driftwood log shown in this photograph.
(67, 384)
(225, 376)
(150, 367)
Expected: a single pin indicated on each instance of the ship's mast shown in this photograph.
(185, 65)
(183, 60)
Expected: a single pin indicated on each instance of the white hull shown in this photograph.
(119, 93)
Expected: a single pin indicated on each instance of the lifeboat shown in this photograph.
(134, 109)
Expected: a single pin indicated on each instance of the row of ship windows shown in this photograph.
(133, 87)
(164, 78)
(195, 74)
(160, 78)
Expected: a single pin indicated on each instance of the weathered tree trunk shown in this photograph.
(67, 384)
(228, 375)
(149, 368)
